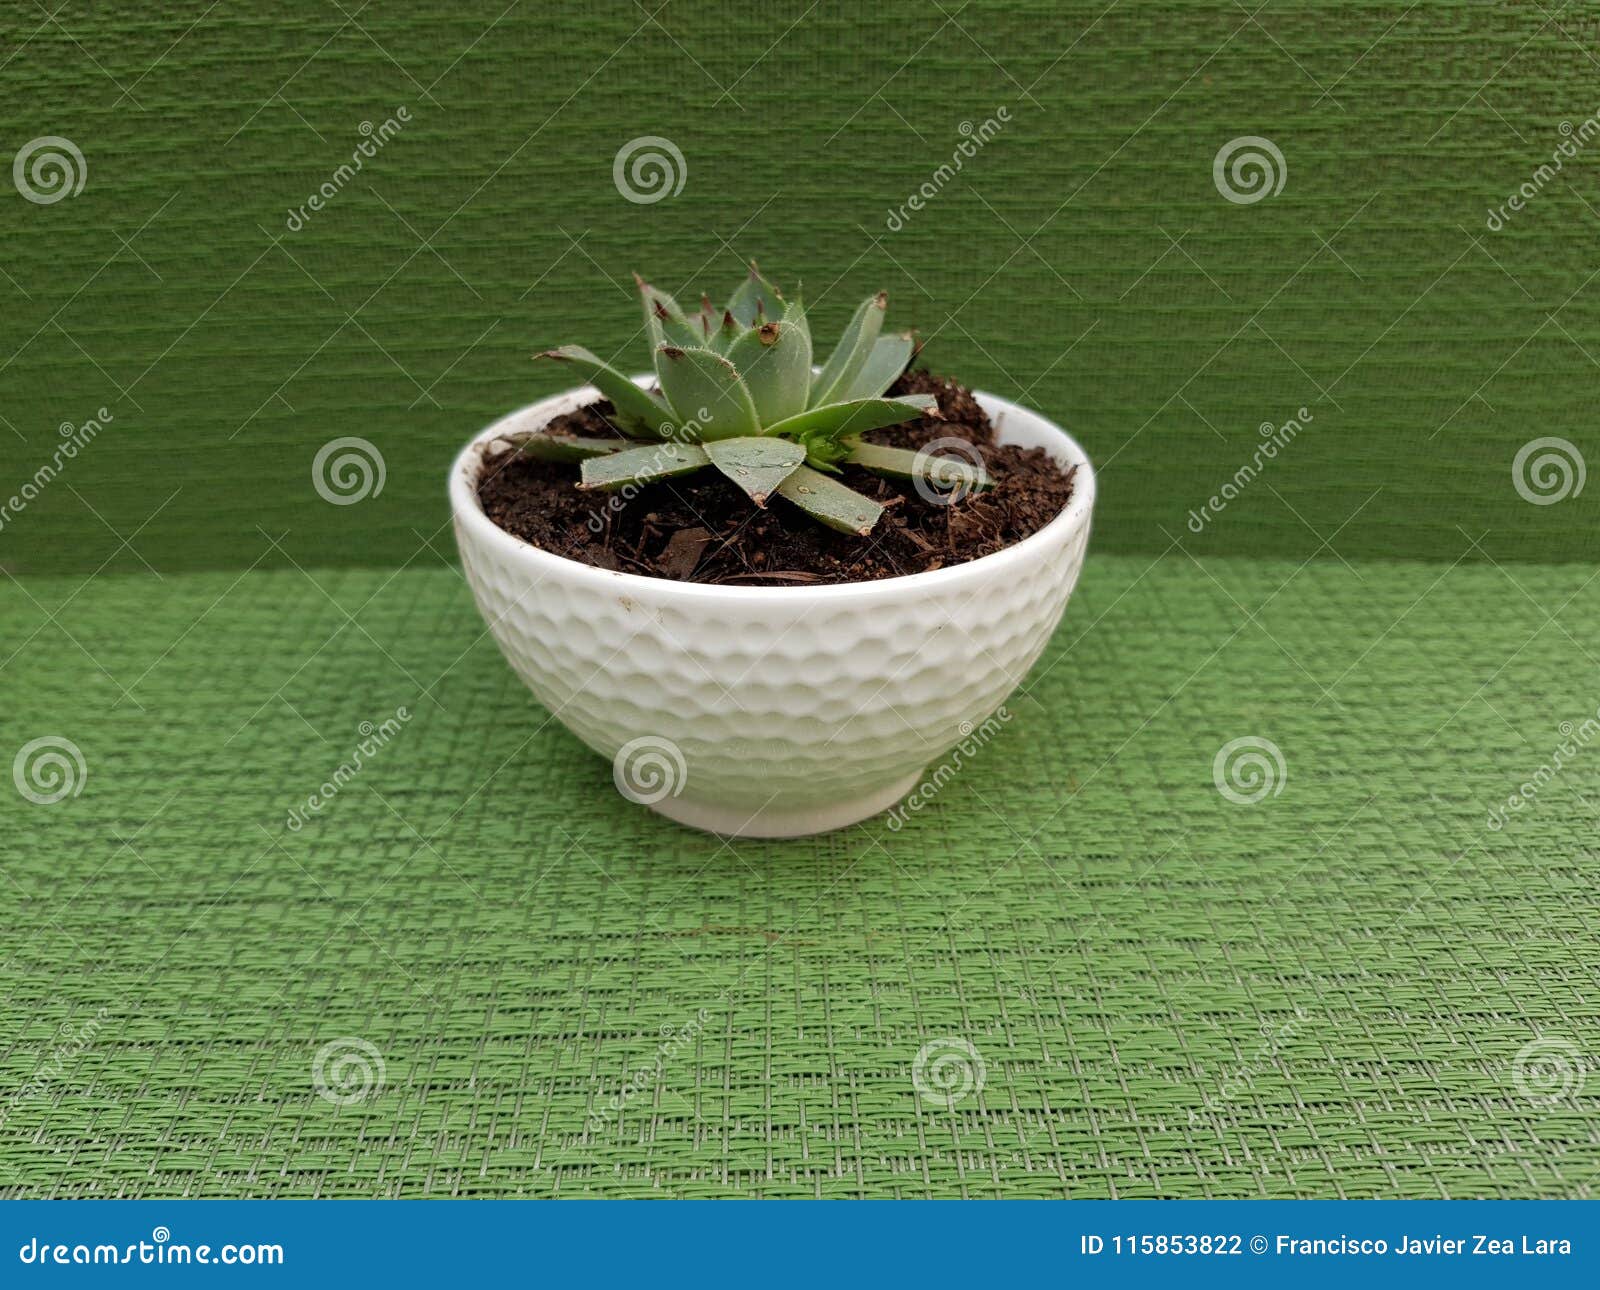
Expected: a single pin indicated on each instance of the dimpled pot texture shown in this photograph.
(771, 711)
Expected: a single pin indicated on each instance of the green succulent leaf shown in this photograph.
(727, 331)
(665, 321)
(637, 411)
(544, 446)
(794, 315)
(885, 362)
(737, 391)
(817, 427)
(704, 388)
(756, 299)
(901, 463)
(758, 464)
(774, 361)
(851, 353)
(829, 501)
(642, 465)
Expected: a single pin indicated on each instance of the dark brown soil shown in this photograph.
(703, 528)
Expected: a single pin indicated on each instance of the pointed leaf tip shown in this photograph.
(703, 387)
(830, 502)
(757, 465)
(636, 410)
(839, 373)
(774, 359)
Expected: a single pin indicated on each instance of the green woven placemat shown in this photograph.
(1081, 970)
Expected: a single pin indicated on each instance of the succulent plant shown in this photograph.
(739, 393)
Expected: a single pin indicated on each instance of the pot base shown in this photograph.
(777, 822)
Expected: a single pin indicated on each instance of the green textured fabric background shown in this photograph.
(1081, 970)
(1369, 291)
(1355, 987)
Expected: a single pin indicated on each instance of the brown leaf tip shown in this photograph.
(767, 333)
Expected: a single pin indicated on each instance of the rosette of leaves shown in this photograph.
(738, 392)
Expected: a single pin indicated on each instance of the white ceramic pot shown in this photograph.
(771, 711)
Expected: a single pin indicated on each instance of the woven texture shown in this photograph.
(1353, 986)
(1083, 260)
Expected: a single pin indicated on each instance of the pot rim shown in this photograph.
(468, 464)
